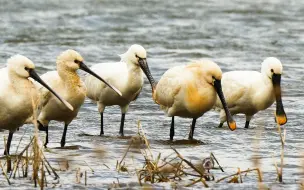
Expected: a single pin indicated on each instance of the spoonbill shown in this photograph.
(17, 94)
(189, 91)
(126, 75)
(248, 92)
(66, 82)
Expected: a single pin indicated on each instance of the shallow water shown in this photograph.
(238, 35)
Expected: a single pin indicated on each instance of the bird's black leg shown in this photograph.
(172, 129)
(8, 143)
(46, 136)
(46, 129)
(192, 129)
(122, 121)
(220, 125)
(7, 150)
(247, 124)
(101, 124)
(40, 126)
(64, 135)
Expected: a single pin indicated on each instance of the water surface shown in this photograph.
(238, 35)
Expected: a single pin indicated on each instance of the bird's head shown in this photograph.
(273, 68)
(70, 60)
(212, 74)
(25, 68)
(137, 55)
(20, 65)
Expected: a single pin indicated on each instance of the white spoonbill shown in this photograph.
(189, 91)
(248, 92)
(17, 94)
(66, 82)
(126, 75)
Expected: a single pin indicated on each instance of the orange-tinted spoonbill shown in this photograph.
(248, 92)
(66, 82)
(17, 94)
(189, 91)
(126, 75)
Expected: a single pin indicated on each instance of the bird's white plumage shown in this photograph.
(17, 93)
(52, 108)
(249, 91)
(68, 84)
(187, 91)
(169, 87)
(125, 75)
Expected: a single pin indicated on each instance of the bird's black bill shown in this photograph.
(144, 66)
(218, 87)
(280, 113)
(83, 67)
(36, 77)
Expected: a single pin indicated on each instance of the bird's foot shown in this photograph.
(190, 137)
(45, 144)
(220, 125)
(62, 143)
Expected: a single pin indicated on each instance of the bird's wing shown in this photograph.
(236, 86)
(169, 85)
(113, 73)
(137, 94)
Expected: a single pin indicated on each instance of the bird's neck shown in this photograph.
(265, 93)
(135, 78)
(70, 77)
(20, 84)
(135, 71)
(25, 89)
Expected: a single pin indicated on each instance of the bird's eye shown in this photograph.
(271, 70)
(25, 68)
(136, 56)
(76, 61)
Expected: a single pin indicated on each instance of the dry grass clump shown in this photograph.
(31, 156)
(175, 168)
(31, 160)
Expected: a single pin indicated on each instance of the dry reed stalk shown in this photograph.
(19, 158)
(282, 138)
(37, 150)
(89, 166)
(42, 176)
(196, 181)
(212, 156)
(49, 165)
(240, 172)
(20, 142)
(5, 174)
(187, 162)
